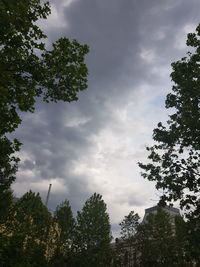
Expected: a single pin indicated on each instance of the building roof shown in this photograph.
(167, 208)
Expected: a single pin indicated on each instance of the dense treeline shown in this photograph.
(159, 240)
(32, 236)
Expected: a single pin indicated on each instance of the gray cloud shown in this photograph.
(89, 145)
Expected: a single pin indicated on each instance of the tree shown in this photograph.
(28, 71)
(26, 233)
(8, 168)
(182, 249)
(93, 234)
(129, 225)
(126, 245)
(175, 158)
(157, 242)
(64, 218)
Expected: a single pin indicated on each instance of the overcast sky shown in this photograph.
(94, 144)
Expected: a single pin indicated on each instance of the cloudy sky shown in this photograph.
(94, 145)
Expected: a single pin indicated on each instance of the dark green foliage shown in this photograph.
(65, 73)
(93, 236)
(6, 200)
(175, 158)
(160, 240)
(129, 225)
(64, 217)
(28, 71)
(66, 224)
(58, 74)
(192, 241)
(26, 232)
(183, 247)
(31, 237)
(126, 246)
(8, 163)
(156, 241)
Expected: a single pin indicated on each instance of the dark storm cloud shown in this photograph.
(116, 30)
(110, 29)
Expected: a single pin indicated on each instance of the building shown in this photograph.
(129, 253)
(173, 212)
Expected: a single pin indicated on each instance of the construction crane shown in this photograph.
(47, 199)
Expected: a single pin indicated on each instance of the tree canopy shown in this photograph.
(63, 217)
(159, 240)
(93, 234)
(26, 232)
(175, 157)
(126, 245)
(129, 225)
(28, 71)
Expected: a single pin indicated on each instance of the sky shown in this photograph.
(94, 144)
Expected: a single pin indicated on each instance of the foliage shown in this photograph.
(126, 245)
(29, 71)
(55, 75)
(26, 232)
(158, 242)
(175, 158)
(31, 237)
(8, 165)
(93, 236)
(192, 240)
(6, 200)
(129, 225)
(182, 246)
(64, 219)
